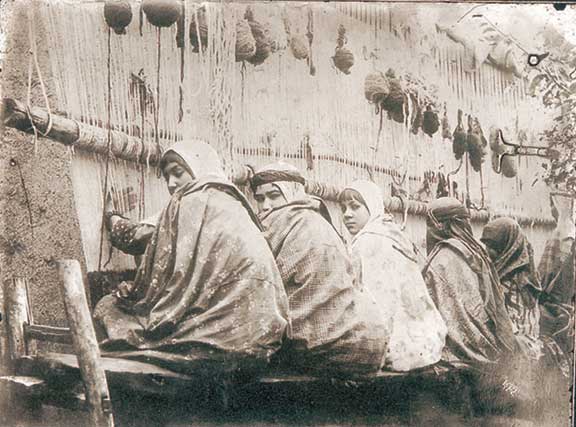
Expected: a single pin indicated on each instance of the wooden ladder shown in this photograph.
(17, 345)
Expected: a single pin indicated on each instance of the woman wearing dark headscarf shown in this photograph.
(465, 288)
(335, 327)
(513, 259)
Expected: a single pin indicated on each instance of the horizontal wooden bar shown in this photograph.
(48, 333)
(94, 139)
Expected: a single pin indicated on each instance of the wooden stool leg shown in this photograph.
(85, 344)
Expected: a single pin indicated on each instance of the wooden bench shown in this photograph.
(85, 380)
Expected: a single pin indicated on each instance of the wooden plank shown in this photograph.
(35, 388)
(122, 372)
(24, 384)
(85, 344)
(48, 333)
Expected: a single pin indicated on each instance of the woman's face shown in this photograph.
(175, 175)
(356, 215)
(268, 196)
(493, 253)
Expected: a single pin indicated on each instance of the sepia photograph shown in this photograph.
(287, 213)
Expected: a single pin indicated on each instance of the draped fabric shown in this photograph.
(335, 327)
(390, 272)
(208, 292)
(556, 268)
(465, 288)
(519, 280)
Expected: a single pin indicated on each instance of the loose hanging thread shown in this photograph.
(108, 153)
(157, 109)
(34, 61)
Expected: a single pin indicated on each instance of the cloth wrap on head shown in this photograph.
(449, 227)
(208, 293)
(389, 271)
(279, 173)
(515, 251)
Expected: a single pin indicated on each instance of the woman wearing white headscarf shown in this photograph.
(207, 293)
(389, 270)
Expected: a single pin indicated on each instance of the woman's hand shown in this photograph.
(123, 290)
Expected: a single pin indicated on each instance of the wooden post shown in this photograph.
(85, 344)
(14, 346)
(16, 312)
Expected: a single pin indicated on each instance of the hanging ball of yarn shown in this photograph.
(118, 15)
(376, 87)
(263, 43)
(508, 167)
(476, 143)
(460, 139)
(162, 13)
(245, 42)
(198, 27)
(396, 99)
(430, 122)
(343, 59)
(299, 46)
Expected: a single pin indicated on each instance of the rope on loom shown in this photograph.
(108, 153)
(157, 109)
(34, 60)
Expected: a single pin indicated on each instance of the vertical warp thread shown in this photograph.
(108, 151)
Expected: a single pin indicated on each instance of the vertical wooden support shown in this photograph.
(16, 312)
(85, 344)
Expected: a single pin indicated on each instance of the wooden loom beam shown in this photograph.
(76, 134)
(94, 139)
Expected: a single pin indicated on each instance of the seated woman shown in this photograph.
(207, 293)
(513, 259)
(389, 270)
(464, 286)
(335, 329)
(557, 267)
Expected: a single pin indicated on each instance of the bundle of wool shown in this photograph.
(376, 87)
(396, 99)
(430, 122)
(505, 164)
(162, 13)
(343, 59)
(476, 143)
(262, 37)
(199, 27)
(245, 42)
(459, 143)
(299, 46)
(446, 133)
(118, 15)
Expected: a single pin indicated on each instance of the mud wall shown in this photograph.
(38, 222)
